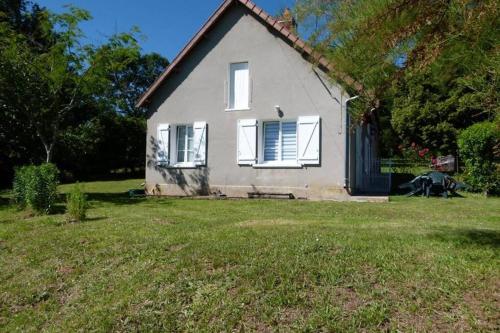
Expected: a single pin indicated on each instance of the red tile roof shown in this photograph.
(298, 44)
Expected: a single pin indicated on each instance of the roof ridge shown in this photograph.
(295, 40)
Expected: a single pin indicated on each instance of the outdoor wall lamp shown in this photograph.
(278, 110)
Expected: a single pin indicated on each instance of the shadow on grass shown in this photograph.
(468, 236)
(59, 208)
(68, 221)
(4, 202)
(112, 198)
(115, 198)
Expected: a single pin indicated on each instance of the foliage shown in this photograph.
(77, 204)
(477, 145)
(25, 17)
(131, 81)
(432, 65)
(414, 160)
(20, 184)
(62, 76)
(105, 142)
(54, 89)
(431, 106)
(169, 265)
(35, 187)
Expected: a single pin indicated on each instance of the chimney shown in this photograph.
(287, 20)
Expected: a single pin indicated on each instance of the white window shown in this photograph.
(239, 86)
(182, 146)
(185, 151)
(280, 141)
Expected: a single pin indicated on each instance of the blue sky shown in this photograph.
(167, 24)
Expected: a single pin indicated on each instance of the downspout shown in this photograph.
(347, 143)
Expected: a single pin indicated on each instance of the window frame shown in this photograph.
(262, 163)
(228, 87)
(184, 163)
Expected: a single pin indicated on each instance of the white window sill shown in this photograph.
(180, 165)
(242, 109)
(278, 165)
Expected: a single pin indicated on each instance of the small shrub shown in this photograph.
(77, 204)
(20, 184)
(35, 187)
(476, 145)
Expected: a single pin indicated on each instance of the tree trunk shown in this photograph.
(49, 148)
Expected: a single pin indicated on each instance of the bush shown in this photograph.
(476, 145)
(35, 187)
(77, 204)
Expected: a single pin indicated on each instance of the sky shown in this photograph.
(166, 24)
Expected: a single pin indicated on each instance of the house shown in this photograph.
(247, 109)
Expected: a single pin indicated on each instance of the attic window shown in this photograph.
(239, 86)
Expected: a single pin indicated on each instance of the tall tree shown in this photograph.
(60, 78)
(434, 64)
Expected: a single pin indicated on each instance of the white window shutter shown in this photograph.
(200, 142)
(308, 131)
(247, 141)
(163, 139)
(239, 87)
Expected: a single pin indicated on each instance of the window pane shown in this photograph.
(271, 141)
(238, 86)
(289, 141)
(181, 143)
(190, 143)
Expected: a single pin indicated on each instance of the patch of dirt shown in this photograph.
(265, 223)
(250, 323)
(349, 299)
(212, 270)
(65, 270)
(289, 316)
(475, 302)
(70, 295)
(477, 312)
(176, 247)
(162, 221)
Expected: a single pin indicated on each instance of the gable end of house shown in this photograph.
(274, 27)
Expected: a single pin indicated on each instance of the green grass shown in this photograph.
(151, 264)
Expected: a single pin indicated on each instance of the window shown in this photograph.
(279, 144)
(185, 151)
(280, 141)
(239, 86)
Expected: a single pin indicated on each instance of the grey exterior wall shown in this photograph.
(281, 76)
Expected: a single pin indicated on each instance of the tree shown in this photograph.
(60, 78)
(131, 81)
(111, 134)
(432, 64)
(430, 107)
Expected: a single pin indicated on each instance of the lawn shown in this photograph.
(151, 264)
